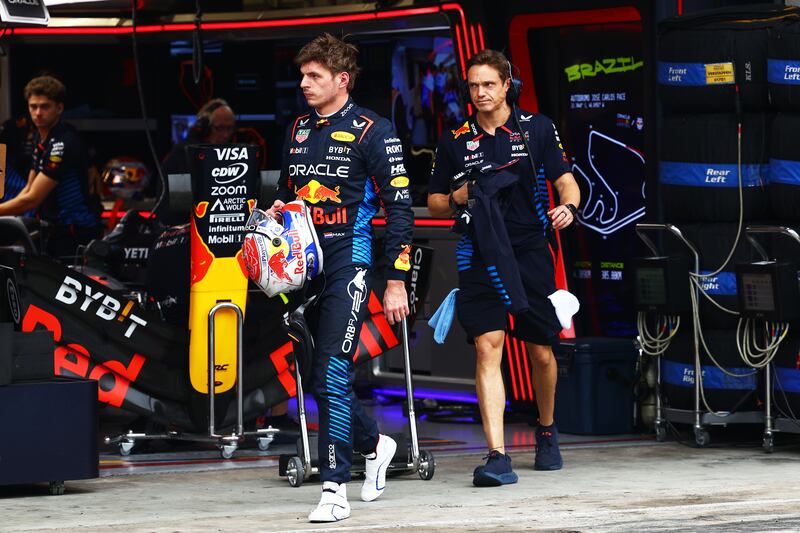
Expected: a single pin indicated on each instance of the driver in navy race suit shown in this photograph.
(345, 162)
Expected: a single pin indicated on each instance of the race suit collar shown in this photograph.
(343, 112)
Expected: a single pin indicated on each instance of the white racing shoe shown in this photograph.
(375, 472)
(333, 505)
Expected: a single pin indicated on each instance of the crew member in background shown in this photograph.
(57, 183)
(490, 139)
(17, 135)
(215, 124)
(344, 161)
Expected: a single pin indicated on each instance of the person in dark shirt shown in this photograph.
(490, 140)
(57, 183)
(17, 135)
(215, 124)
(345, 161)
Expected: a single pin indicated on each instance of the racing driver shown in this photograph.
(345, 161)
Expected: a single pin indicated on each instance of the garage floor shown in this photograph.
(616, 483)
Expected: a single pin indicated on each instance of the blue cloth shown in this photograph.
(442, 319)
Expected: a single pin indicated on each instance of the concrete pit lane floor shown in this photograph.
(617, 485)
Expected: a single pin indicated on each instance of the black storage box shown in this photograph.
(50, 431)
(594, 395)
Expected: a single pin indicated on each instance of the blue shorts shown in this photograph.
(480, 309)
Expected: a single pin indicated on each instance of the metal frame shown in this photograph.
(227, 443)
(699, 417)
(300, 468)
(772, 424)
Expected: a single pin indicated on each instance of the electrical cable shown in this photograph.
(143, 108)
(197, 45)
(655, 344)
(700, 340)
(710, 299)
(792, 417)
(741, 191)
(752, 354)
(549, 231)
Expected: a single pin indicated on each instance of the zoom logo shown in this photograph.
(229, 174)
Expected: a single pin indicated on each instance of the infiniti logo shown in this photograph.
(229, 174)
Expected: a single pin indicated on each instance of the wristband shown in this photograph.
(572, 209)
(452, 203)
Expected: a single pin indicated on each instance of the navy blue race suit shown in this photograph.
(479, 304)
(63, 158)
(345, 166)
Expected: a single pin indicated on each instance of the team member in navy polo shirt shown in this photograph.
(487, 141)
(57, 184)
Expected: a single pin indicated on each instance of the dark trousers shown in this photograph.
(336, 325)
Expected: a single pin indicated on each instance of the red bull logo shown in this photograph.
(278, 264)
(314, 192)
(463, 130)
(319, 217)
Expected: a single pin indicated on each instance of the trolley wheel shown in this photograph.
(661, 433)
(56, 488)
(227, 450)
(264, 443)
(427, 465)
(295, 471)
(702, 438)
(126, 447)
(768, 443)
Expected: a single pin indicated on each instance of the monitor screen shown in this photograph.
(757, 292)
(180, 126)
(651, 287)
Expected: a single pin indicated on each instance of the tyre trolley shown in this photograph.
(772, 424)
(227, 443)
(700, 417)
(299, 468)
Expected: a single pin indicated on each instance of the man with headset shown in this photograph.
(215, 124)
(468, 159)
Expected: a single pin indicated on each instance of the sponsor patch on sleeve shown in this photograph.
(403, 261)
(399, 182)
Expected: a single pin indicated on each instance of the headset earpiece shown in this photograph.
(514, 88)
(203, 123)
(463, 89)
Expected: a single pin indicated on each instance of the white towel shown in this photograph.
(566, 305)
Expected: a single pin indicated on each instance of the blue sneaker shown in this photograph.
(547, 455)
(497, 471)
